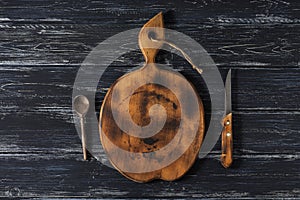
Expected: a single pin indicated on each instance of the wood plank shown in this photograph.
(49, 88)
(86, 11)
(68, 177)
(257, 134)
(61, 33)
(69, 44)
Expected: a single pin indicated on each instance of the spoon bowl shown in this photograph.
(81, 105)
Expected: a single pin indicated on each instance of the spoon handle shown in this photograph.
(83, 138)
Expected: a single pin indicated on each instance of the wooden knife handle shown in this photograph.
(227, 141)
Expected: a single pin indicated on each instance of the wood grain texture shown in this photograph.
(42, 44)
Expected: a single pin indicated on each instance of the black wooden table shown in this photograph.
(43, 43)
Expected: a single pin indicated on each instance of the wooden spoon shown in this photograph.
(156, 96)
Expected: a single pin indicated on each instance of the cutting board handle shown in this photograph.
(152, 29)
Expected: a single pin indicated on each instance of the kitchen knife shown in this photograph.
(227, 141)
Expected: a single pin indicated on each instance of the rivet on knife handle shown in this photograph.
(227, 142)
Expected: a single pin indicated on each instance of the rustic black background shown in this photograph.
(43, 42)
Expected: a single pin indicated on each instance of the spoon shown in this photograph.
(81, 107)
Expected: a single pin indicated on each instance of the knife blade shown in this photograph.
(227, 139)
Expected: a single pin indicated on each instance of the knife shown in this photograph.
(227, 141)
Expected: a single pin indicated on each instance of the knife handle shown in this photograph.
(227, 141)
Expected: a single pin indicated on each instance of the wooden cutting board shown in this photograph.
(140, 103)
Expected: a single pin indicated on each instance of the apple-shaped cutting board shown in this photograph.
(148, 117)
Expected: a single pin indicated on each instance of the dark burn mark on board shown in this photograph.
(174, 106)
(150, 141)
(158, 96)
